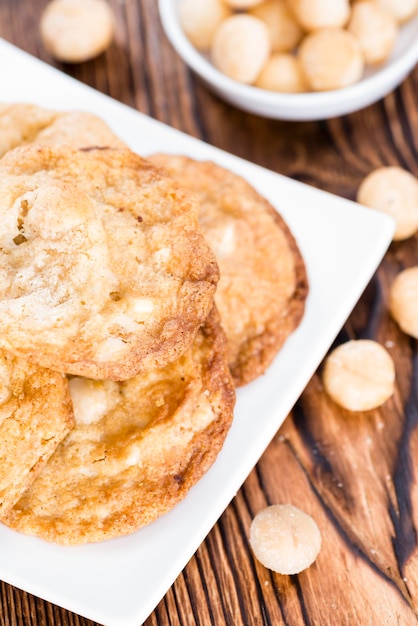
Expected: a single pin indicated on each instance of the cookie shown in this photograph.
(35, 415)
(263, 282)
(136, 450)
(22, 123)
(103, 270)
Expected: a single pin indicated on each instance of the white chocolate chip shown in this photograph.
(92, 399)
(285, 539)
(359, 375)
(134, 456)
(110, 347)
(140, 307)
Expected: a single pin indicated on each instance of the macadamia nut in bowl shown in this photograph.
(239, 61)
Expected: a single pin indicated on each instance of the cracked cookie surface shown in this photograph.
(263, 282)
(35, 415)
(137, 448)
(104, 272)
(23, 123)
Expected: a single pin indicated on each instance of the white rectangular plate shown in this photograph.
(119, 582)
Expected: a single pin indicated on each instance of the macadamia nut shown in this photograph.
(240, 47)
(402, 10)
(282, 73)
(403, 301)
(393, 190)
(285, 539)
(334, 40)
(331, 59)
(359, 375)
(376, 30)
(317, 14)
(242, 4)
(74, 31)
(200, 18)
(285, 32)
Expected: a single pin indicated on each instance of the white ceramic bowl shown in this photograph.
(307, 106)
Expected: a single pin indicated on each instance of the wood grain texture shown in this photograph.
(356, 474)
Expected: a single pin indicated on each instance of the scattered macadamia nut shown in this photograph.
(241, 47)
(402, 10)
(285, 32)
(74, 31)
(331, 58)
(200, 18)
(318, 14)
(393, 190)
(403, 301)
(285, 539)
(282, 73)
(376, 30)
(359, 375)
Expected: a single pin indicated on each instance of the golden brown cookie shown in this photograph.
(103, 270)
(22, 123)
(136, 450)
(35, 415)
(263, 285)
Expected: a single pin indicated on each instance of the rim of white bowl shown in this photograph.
(388, 75)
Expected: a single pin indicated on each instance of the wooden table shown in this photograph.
(357, 474)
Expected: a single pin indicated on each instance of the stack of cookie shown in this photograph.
(135, 295)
